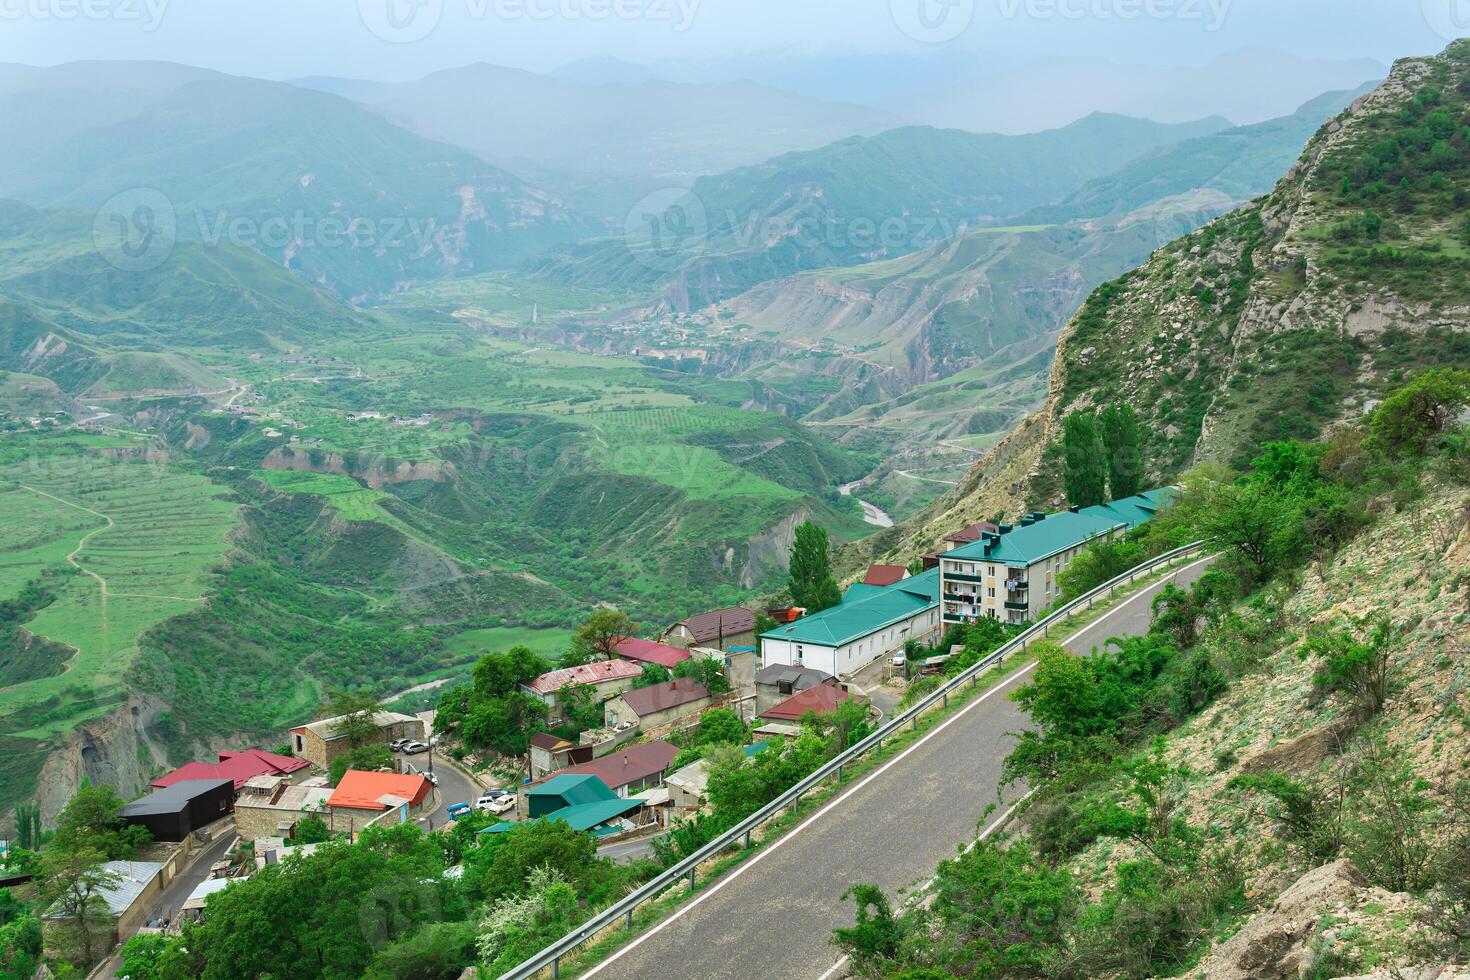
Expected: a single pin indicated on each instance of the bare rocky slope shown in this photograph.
(1274, 321)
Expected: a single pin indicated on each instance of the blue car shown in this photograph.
(457, 810)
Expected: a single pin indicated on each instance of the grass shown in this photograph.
(143, 536)
(349, 498)
(550, 643)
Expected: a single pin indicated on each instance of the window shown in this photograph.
(991, 590)
(300, 744)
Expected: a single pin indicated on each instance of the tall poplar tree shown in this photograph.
(812, 585)
(1123, 444)
(1084, 466)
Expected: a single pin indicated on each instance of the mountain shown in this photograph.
(606, 145)
(319, 184)
(1208, 175)
(1249, 86)
(1274, 321)
(858, 200)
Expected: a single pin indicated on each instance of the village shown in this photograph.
(634, 773)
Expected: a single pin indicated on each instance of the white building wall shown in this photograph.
(854, 656)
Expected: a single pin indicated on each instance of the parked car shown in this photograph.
(899, 660)
(431, 776)
(397, 744)
(496, 804)
(414, 748)
(457, 810)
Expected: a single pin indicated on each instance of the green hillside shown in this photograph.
(855, 201)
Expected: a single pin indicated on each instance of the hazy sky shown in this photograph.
(397, 39)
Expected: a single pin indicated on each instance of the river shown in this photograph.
(871, 513)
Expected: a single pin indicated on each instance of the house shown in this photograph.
(885, 575)
(606, 680)
(648, 652)
(239, 768)
(635, 768)
(785, 718)
(320, 744)
(1011, 574)
(778, 682)
(870, 624)
(175, 812)
(550, 753)
(272, 806)
(688, 786)
(130, 900)
(719, 629)
(658, 705)
(584, 802)
(362, 798)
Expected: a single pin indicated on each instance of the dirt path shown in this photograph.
(101, 582)
(927, 479)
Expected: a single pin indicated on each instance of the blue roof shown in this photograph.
(864, 612)
(1028, 544)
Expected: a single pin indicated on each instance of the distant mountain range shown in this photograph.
(862, 200)
(321, 185)
(605, 145)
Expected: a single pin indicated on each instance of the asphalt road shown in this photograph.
(454, 785)
(773, 916)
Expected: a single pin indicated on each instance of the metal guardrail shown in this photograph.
(685, 870)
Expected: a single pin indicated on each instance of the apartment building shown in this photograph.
(1011, 573)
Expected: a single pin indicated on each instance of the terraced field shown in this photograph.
(141, 538)
(350, 499)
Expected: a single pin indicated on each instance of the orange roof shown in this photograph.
(367, 790)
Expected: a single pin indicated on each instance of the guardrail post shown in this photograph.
(946, 700)
(628, 920)
(556, 968)
(914, 723)
(691, 879)
(839, 775)
(747, 840)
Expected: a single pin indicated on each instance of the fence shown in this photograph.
(685, 870)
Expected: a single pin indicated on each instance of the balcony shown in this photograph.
(1022, 606)
(960, 597)
(955, 577)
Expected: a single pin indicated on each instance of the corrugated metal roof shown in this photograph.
(591, 674)
(823, 699)
(624, 766)
(649, 652)
(885, 575)
(1027, 545)
(172, 799)
(360, 790)
(719, 622)
(646, 701)
(866, 612)
(574, 790)
(582, 817)
(237, 766)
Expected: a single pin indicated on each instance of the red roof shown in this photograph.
(365, 790)
(593, 674)
(972, 533)
(823, 699)
(719, 624)
(644, 701)
(649, 652)
(630, 765)
(236, 766)
(885, 575)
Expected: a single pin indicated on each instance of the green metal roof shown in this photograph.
(582, 817)
(1135, 511)
(863, 612)
(1026, 545)
(574, 790)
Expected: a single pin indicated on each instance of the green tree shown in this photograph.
(1099, 563)
(1354, 671)
(811, 583)
(28, 825)
(598, 637)
(1421, 410)
(1084, 464)
(706, 671)
(90, 821)
(503, 866)
(363, 758)
(1123, 443)
(499, 674)
(356, 713)
(73, 879)
(875, 937)
(653, 675)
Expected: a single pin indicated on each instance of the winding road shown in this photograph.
(773, 916)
